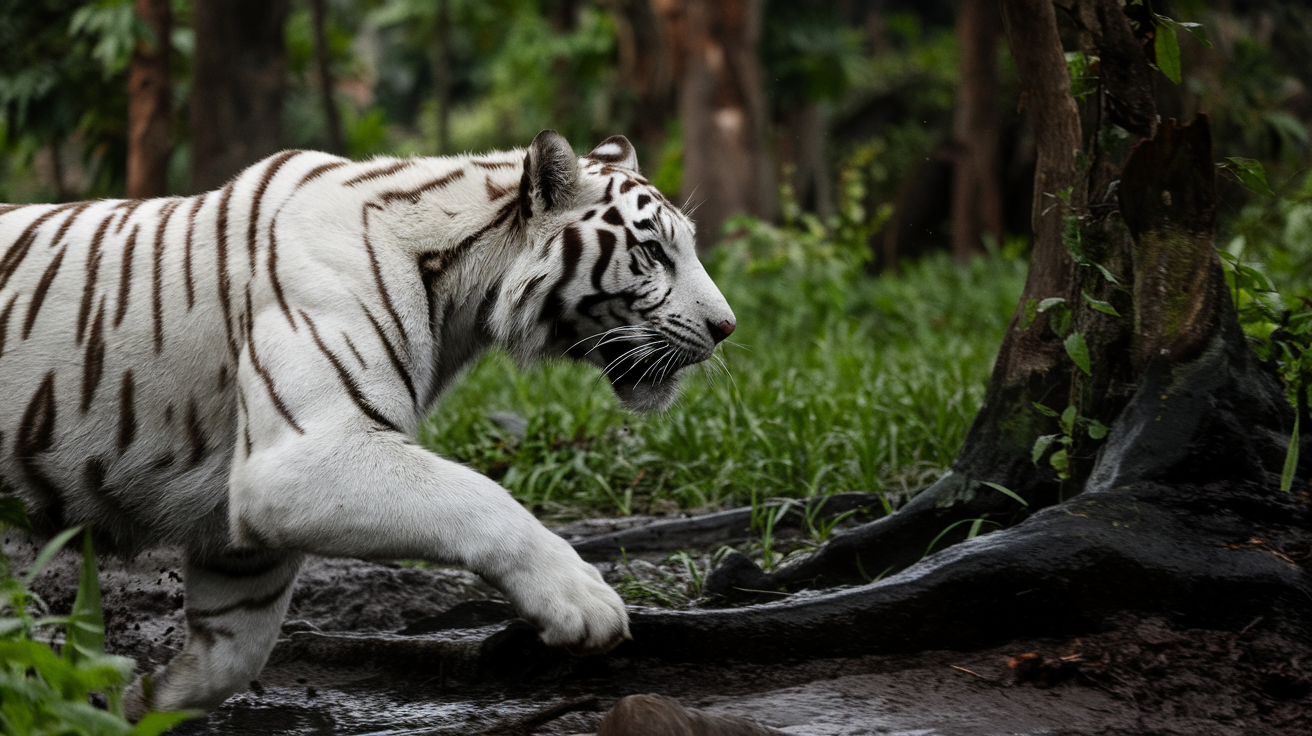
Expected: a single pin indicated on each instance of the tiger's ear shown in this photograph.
(551, 175)
(616, 151)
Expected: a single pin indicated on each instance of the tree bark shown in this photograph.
(150, 104)
(726, 168)
(976, 127)
(651, 57)
(323, 62)
(442, 75)
(238, 84)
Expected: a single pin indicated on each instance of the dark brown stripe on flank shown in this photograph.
(378, 173)
(378, 279)
(93, 360)
(93, 273)
(221, 263)
(627, 185)
(319, 171)
(42, 288)
(157, 274)
(495, 192)
(352, 388)
(186, 251)
(7, 208)
(392, 355)
(263, 372)
(68, 222)
(4, 322)
(493, 164)
(36, 434)
(258, 199)
(250, 604)
(127, 414)
(195, 435)
(128, 206)
(351, 346)
(412, 195)
(18, 250)
(433, 265)
(125, 277)
(273, 272)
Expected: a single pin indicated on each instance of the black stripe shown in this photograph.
(319, 171)
(125, 277)
(4, 322)
(195, 435)
(606, 240)
(18, 251)
(249, 604)
(127, 413)
(221, 263)
(378, 278)
(352, 388)
(377, 173)
(392, 355)
(93, 362)
(643, 199)
(186, 252)
(263, 372)
(612, 216)
(36, 434)
(42, 288)
(257, 199)
(157, 274)
(413, 195)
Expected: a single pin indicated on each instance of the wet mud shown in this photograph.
(345, 667)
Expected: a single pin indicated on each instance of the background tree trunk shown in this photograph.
(323, 62)
(238, 83)
(442, 75)
(976, 127)
(651, 57)
(726, 169)
(150, 104)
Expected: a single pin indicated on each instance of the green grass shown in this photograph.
(838, 381)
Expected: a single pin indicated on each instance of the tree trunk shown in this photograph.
(150, 104)
(238, 83)
(726, 169)
(442, 75)
(976, 127)
(323, 62)
(651, 55)
(812, 184)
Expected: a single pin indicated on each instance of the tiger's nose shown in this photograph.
(721, 330)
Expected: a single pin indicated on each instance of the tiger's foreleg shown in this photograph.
(355, 491)
(234, 607)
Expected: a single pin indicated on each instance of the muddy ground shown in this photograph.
(341, 668)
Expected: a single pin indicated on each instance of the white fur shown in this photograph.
(330, 480)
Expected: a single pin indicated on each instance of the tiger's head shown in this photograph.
(611, 274)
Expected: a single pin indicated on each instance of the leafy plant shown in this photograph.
(44, 693)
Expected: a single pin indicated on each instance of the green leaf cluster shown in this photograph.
(44, 693)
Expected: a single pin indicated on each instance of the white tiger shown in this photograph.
(241, 373)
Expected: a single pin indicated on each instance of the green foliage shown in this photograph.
(43, 693)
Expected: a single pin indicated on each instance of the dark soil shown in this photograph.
(1143, 676)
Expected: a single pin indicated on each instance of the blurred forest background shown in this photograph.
(819, 143)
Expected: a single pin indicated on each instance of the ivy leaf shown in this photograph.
(1106, 274)
(1097, 430)
(1101, 306)
(1068, 420)
(1167, 47)
(1196, 29)
(1248, 172)
(1061, 462)
(1079, 352)
(1050, 302)
(1041, 446)
(1045, 410)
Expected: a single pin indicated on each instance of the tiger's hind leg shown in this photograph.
(235, 605)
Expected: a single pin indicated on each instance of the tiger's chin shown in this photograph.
(647, 396)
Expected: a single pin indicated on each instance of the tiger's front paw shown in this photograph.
(570, 605)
